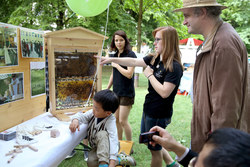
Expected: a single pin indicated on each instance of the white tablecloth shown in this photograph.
(51, 151)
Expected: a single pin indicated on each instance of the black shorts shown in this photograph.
(126, 101)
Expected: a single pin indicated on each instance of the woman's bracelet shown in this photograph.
(149, 76)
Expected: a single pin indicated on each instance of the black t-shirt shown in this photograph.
(123, 86)
(155, 106)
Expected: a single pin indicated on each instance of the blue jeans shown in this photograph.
(148, 122)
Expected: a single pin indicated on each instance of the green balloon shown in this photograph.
(88, 8)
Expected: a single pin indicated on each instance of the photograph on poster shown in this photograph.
(11, 87)
(37, 75)
(8, 46)
(31, 44)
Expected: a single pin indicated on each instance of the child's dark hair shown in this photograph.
(108, 99)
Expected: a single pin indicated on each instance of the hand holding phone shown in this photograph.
(147, 136)
(166, 140)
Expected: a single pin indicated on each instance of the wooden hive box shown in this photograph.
(72, 69)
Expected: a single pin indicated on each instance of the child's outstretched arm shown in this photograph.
(80, 118)
(74, 125)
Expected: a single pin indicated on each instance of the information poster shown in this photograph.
(31, 44)
(8, 46)
(11, 87)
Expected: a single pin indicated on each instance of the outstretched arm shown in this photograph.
(129, 62)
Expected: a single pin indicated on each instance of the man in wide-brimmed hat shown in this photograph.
(220, 72)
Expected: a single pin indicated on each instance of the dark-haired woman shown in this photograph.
(122, 79)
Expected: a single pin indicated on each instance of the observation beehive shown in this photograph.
(72, 68)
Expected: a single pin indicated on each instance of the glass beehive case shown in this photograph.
(72, 69)
(74, 78)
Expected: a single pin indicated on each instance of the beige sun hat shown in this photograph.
(199, 3)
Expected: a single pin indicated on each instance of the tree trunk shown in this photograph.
(136, 77)
(139, 27)
(60, 23)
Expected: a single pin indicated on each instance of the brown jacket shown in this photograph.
(220, 85)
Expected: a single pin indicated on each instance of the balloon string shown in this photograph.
(98, 65)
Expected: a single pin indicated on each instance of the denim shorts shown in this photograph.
(148, 122)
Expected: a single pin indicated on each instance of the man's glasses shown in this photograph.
(157, 40)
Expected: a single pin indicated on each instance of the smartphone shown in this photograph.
(147, 137)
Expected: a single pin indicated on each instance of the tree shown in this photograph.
(118, 19)
(6, 9)
(56, 15)
(137, 17)
(238, 15)
(158, 11)
(41, 14)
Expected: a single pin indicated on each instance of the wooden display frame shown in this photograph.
(70, 40)
(16, 112)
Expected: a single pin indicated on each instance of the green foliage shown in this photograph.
(7, 8)
(123, 14)
(118, 19)
(37, 14)
(238, 15)
(154, 14)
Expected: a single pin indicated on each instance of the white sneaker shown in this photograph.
(85, 155)
(23, 137)
(71, 154)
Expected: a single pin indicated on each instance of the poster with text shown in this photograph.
(8, 45)
(31, 44)
(11, 87)
(37, 78)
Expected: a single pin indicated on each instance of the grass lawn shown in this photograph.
(179, 128)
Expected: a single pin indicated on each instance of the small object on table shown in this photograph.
(54, 133)
(7, 135)
(17, 150)
(11, 158)
(35, 132)
(22, 146)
